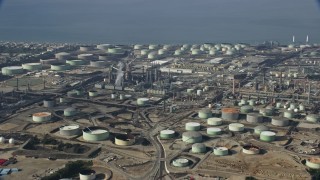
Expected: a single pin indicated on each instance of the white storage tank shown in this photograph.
(220, 151)
(87, 175)
(2, 140)
(254, 118)
(193, 126)
(214, 121)
(142, 101)
(214, 131)
(12, 141)
(41, 117)
(236, 127)
(69, 130)
(280, 121)
(192, 137)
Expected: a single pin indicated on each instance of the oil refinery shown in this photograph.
(152, 111)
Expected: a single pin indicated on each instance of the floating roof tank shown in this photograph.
(124, 140)
(192, 137)
(180, 162)
(69, 130)
(41, 117)
(32, 66)
(95, 134)
(250, 149)
(193, 126)
(59, 67)
(98, 64)
(313, 118)
(75, 62)
(220, 151)
(87, 175)
(12, 70)
(313, 163)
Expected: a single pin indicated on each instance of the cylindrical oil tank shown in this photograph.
(244, 101)
(79, 92)
(162, 51)
(104, 46)
(49, 103)
(87, 175)
(259, 129)
(168, 46)
(69, 130)
(103, 57)
(145, 52)
(75, 62)
(62, 56)
(49, 61)
(252, 102)
(85, 48)
(230, 113)
(59, 67)
(192, 137)
(93, 93)
(12, 141)
(137, 46)
(193, 126)
(236, 127)
(115, 51)
(72, 93)
(63, 100)
(214, 121)
(12, 70)
(153, 46)
(292, 106)
(98, 64)
(152, 55)
(124, 140)
(280, 121)
(266, 112)
(254, 118)
(190, 91)
(220, 151)
(2, 140)
(32, 66)
(113, 96)
(289, 114)
(278, 105)
(250, 149)
(313, 118)
(69, 112)
(85, 56)
(246, 109)
(198, 148)
(313, 163)
(195, 51)
(95, 134)
(177, 52)
(267, 136)
(214, 131)
(199, 92)
(180, 162)
(121, 97)
(205, 113)
(41, 117)
(142, 101)
(302, 107)
(167, 134)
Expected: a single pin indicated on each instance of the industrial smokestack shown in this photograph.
(293, 39)
(307, 39)
(233, 86)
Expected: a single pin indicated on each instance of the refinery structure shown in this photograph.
(151, 111)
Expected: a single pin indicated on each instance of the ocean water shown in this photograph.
(159, 21)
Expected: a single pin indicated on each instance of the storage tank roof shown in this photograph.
(230, 110)
(268, 133)
(42, 114)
